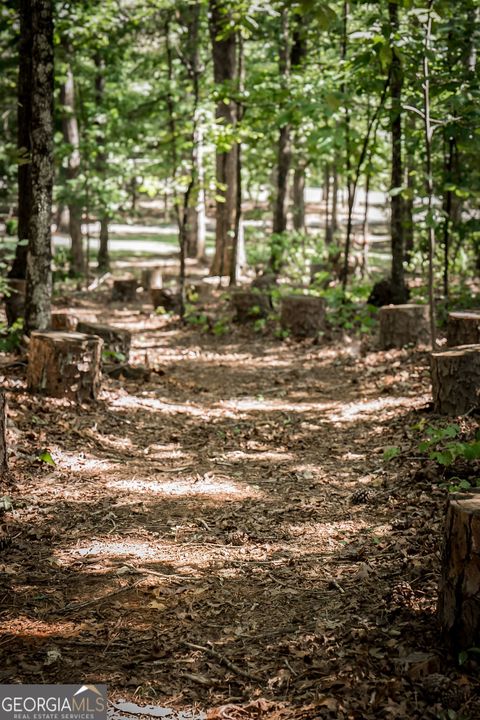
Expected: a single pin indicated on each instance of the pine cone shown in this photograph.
(362, 496)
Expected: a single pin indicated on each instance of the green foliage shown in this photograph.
(113, 355)
(444, 446)
(390, 452)
(11, 337)
(46, 457)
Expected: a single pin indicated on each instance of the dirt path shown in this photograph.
(213, 506)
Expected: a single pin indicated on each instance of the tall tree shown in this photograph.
(39, 276)
(399, 292)
(103, 257)
(284, 146)
(24, 92)
(224, 50)
(72, 138)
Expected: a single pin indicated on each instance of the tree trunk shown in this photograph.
(299, 198)
(303, 315)
(65, 364)
(397, 219)
(224, 50)
(408, 225)
(334, 222)
(328, 225)
(402, 325)
(463, 328)
(3, 439)
(71, 136)
(459, 592)
(456, 380)
(103, 257)
(39, 276)
(197, 223)
(24, 93)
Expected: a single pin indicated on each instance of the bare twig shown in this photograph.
(223, 660)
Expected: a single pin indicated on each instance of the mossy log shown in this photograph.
(63, 321)
(303, 315)
(463, 328)
(15, 301)
(166, 299)
(459, 591)
(115, 340)
(124, 290)
(3, 435)
(152, 278)
(402, 325)
(62, 364)
(456, 379)
(250, 305)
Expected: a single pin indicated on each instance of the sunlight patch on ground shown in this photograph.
(117, 548)
(242, 456)
(351, 412)
(75, 461)
(208, 485)
(23, 625)
(280, 405)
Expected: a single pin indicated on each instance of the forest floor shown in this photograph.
(197, 545)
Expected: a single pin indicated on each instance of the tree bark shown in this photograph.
(103, 257)
(39, 276)
(284, 150)
(299, 198)
(397, 207)
(72, 137)
(224, 50)
(456, 379)
(24, 93)
(459, 592)
(3, 439)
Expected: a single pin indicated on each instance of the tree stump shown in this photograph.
(165, 299)
(456, 379)
(15, 301)
(250, 305)
(459, 591)
(3, 439)
(124, 290)
(115, 340)
(63, 321)
(403, 325)
(64, 364)
(463, 328)
(152, 278)
(303, 315)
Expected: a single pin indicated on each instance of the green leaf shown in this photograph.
(47, 458)
(391, 452)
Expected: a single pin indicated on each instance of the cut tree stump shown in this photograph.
(402, 325)
(459, 590)
(303, 315)
(124, 290)
(152, 278)
(3, 438)
(15, 302)
(62, 364)
(463, 328)
(166, 299)
(456, 379)
(63, 321)
(115, 340)
(250, 305)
